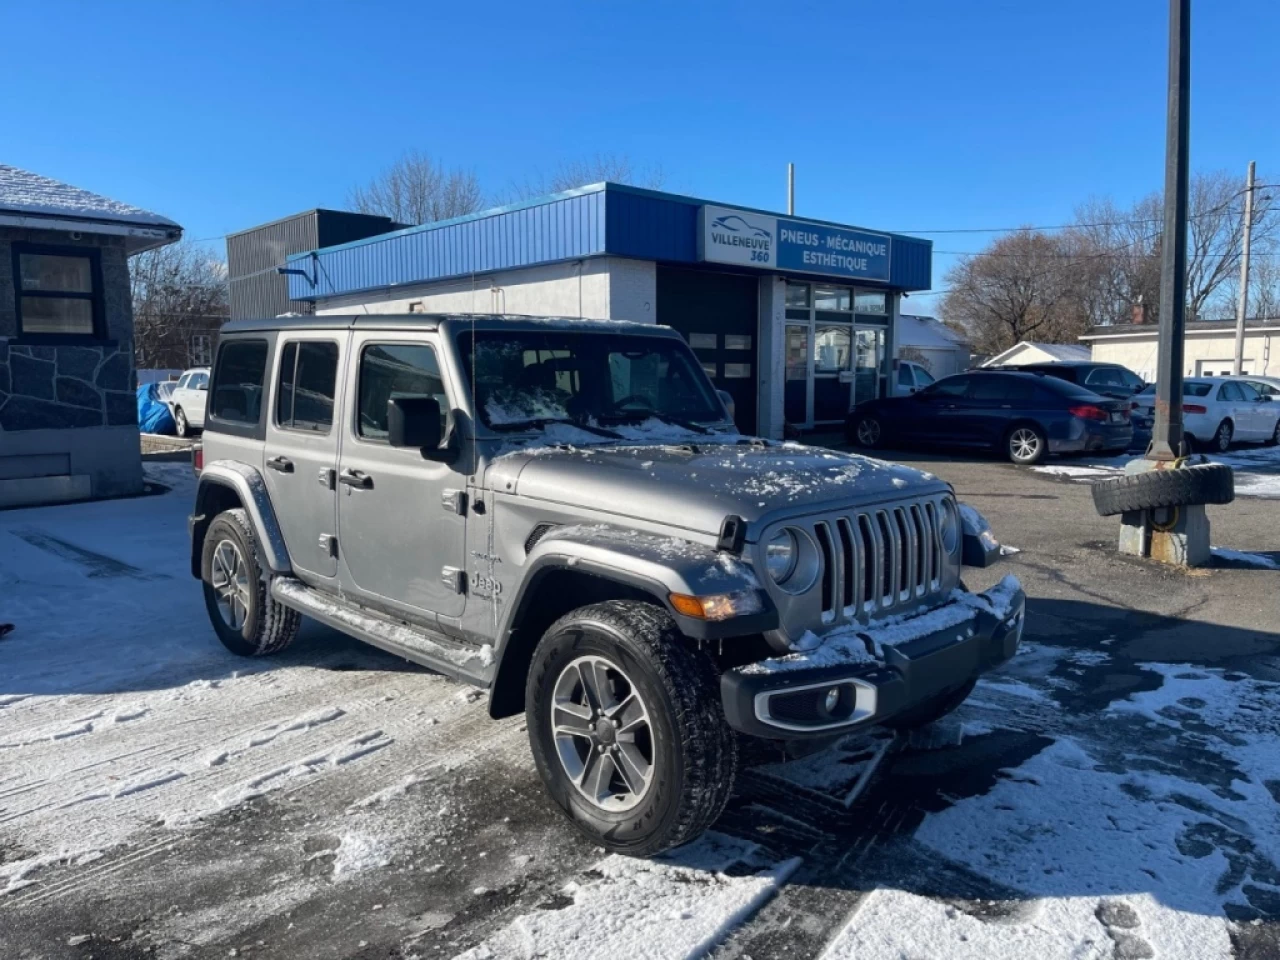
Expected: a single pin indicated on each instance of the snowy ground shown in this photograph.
(159, 797)
(1257, 469)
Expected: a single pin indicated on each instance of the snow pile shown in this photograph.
(1257, 470)
(25, 192)
(662, 909)
(865, 644)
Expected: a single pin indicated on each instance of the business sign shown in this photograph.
(748, 239)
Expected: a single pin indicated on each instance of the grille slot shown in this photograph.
(877, 560)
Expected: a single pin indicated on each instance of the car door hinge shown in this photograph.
(455, 501)
(454, 578)
(329, 544)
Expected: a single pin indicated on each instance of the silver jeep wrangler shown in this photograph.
(562, 513)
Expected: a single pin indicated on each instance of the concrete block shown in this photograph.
(37, 490)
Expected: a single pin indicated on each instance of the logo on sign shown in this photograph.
(735, 237)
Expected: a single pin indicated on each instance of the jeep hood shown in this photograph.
(696, 485)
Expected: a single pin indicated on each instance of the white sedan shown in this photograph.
(1217, 411)
(187, 402)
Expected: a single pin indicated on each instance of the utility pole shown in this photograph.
(1166, 436)
(791, 189)
(1242, 305)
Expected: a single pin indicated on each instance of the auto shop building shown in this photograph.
(794, 318)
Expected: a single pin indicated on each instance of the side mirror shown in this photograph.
(203, 388)
(727, 399)
(416, 422)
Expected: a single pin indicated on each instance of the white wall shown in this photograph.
(601, 288)
(771, 358)
(1202, 353)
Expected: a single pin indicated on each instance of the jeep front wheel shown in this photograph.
(626, 728)
(237, 595)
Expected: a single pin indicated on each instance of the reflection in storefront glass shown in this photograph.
(797, 294)
(869, 301)
(870, 353)
(831, 348)
(797, 352)
(832, 298)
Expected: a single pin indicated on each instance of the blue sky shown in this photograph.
(899, 114)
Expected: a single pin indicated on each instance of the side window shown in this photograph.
(950, 387)
(923, 377)
(237, 382)
(990, 389)
(1230, 391)
(904, 376)
(1105, 376)
(185, 379)
(308, 377)
(389, 370)
(1248, 393)
(1131, 380)
(198, 380)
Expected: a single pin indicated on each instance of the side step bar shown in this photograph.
(432, 650)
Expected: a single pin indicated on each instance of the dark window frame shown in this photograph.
(255, 429)
(282, 349)
(436, 352)
(96, 297)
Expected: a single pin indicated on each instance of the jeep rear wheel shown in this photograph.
(237, 595)
(626, 728)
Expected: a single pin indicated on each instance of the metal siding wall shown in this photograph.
(650, 228)
(256, 290)
(911, 263)
(562, 230)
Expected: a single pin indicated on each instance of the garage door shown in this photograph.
(717, 313)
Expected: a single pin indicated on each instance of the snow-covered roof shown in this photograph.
(24, 192)
(927, 332)
(1040, 352)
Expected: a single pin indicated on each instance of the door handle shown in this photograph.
(283, 464)
(356, 478)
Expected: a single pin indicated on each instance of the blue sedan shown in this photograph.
(1024, 416)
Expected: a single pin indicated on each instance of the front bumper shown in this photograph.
(796, 701)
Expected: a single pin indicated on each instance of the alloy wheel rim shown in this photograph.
(868, 431)
(603, 734)
(1024, 444)
(1224, 437)
(229, 577)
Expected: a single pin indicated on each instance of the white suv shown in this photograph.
(187, 402)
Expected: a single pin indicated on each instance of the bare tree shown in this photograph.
(1115, 256)
(1215, 236)
(179, 297)
(579, 173)
(416, 189)
(1019, 288)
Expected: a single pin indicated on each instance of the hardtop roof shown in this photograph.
(448, 321)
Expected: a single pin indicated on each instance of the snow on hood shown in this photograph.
(692, 480)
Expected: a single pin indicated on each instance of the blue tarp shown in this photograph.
(153, 415)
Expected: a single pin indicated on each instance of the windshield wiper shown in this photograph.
(539, 422)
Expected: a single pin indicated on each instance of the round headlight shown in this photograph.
(950, 527)
(780, 556)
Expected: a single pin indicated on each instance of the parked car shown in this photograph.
(1216, 412)
(1105, 379)
(561, 512)
(187, 401)
(1267, 386)
(1022, 415)
(912, 377)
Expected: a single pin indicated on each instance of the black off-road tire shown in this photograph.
(695, 753)
(269, 626)
(181, 426)
(932, 710)
(1197, 484)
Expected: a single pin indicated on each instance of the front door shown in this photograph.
(302, 450)
(398, 544)
(197, 398)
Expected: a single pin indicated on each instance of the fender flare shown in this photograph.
(249, 485)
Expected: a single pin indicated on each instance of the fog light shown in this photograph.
(833, 698)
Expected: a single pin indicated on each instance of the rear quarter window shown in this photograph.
(236, 396)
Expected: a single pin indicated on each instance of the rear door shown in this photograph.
(400, 546)
(1260, 421)
(1233, 404)
(987, 409)
(302, 449)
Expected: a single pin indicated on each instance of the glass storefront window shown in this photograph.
(797, 294)
(832, 345)
(870, 301)
(797, 352)
(832, 298)
(866, 374)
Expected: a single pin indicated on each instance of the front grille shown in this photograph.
(876, 560)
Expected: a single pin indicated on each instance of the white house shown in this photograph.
(931, 343)
(1209, 348)
(1027, 352)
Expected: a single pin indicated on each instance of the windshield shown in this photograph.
(523, 379)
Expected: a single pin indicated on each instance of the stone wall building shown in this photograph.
(68, 415)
